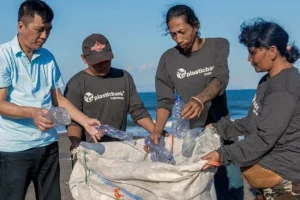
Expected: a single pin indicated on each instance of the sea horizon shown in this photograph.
(238, 100)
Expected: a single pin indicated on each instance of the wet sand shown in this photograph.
(65, 172)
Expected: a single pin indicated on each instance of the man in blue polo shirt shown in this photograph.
(29, 85)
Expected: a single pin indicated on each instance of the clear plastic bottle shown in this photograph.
(189, 141)
(59, 116)
(180, 126)
(159, 153)
(116, 133)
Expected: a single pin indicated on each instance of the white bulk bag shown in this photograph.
(118, 170)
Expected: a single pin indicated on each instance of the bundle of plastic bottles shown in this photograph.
(180, 129)
(158, 152)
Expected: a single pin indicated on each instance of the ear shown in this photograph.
(21, 27)
(84, 59)
(197, 26)
(273, 52)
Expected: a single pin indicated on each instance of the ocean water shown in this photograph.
(238, 102)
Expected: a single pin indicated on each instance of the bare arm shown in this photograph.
(14, 111)
(147, 124)
(212, 90)
(89, 124)
(162, 116)
(11, 110)
(59, 100)
(195, 106)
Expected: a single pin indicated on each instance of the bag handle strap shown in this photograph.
(213, 163)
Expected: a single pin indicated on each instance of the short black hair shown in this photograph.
(29, 8)
(183, 11)
(260, 33)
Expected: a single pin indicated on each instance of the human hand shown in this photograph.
(208, 126)
(213, 158)
(39, 119)
(155, 136)
(90, 126)
(192, 110)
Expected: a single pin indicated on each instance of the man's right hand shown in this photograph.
(155, 135)
(90, 127)
(41, 122)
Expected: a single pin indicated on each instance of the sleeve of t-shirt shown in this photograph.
(137, 109)
(164, 87)
(228, 129)
(272, 123)
(57, 80)
(5, 72)
(221, 70)
(74, 95)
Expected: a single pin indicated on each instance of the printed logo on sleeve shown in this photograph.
(181, 73)
(89, 97)
(255, 106)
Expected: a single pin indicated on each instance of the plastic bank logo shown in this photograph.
(89, 97)
(182, 73)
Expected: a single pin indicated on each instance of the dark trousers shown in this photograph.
(40, 165)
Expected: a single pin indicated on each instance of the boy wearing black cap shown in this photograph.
(103, 92)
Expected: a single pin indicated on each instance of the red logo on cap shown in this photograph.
(98, 47)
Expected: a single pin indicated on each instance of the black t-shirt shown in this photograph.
(109, 99)
(190, 75)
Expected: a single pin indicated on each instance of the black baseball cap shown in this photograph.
(96, 48)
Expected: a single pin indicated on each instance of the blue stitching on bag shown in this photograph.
(107, 182)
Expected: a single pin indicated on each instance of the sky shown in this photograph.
(134, 29)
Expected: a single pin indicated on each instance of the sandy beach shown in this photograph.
(65, 172)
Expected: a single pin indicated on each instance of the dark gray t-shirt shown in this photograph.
(271, 128)
(108, 99)
(190, 75)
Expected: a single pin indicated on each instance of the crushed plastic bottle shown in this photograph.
(180, 126)
(116, 133)
(159, 153)
(59, 116)
(189, 141)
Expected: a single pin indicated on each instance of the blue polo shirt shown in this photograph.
(28, 84)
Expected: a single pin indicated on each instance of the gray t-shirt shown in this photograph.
(271, 128)
(190, 75)
(108, 99)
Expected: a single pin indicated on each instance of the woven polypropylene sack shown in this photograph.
(118, 170)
